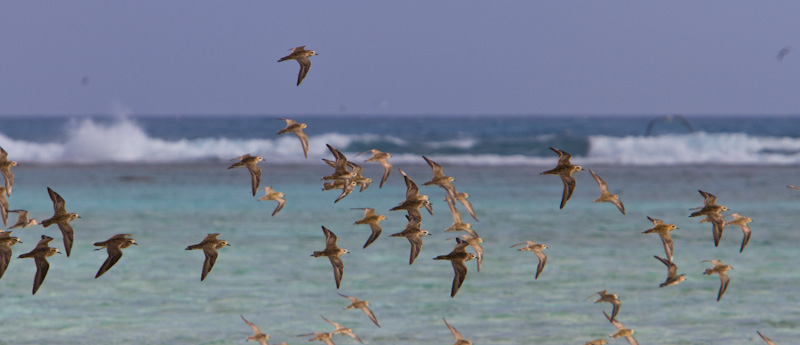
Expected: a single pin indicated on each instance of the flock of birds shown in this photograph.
(347, 176)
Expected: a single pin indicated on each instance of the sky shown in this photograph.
(402, 57)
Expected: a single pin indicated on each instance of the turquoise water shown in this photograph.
(154, 294)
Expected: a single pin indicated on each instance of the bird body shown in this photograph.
(251, 163)
(564, 169)
(62, 218)
(383, 159)
(295, 127)
(6, 242)
(40, 255)
(258, 336)
(610, 298)
(23, 222)
(713, 213)
(741, 221)
(271, 195)
(5, 170)
(673, 278)
(333, 253)
(209, 245)
(457, 257)
(114, 247)
(536, 248)
(663, 229)
(721, 270)
(414, 234)
(373, 220)
(301, 55)
(356, 303)
(605, 195)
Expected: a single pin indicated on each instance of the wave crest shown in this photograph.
(124, 141)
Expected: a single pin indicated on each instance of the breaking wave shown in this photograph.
(124, 141)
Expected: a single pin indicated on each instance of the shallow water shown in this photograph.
(154, 294)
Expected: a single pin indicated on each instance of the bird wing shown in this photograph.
(353, 300)
(768, 340)
(521, 243)
(255, 176)
(289, 122)
(724, 281)
(453, 211)
(330, 238)
(59, 205)
(718, 225)
(211, 257)
(281, 202)
(655, 221)
(460, 246)
(600, 182)
(617, 304)
(305, 65)
(668, 244)
(5, 257)
(569, 187)
(453, 330)
(563, 157)
(479, 254)
(376, 231)
(8, 178)
(114, 254)
(710, 199)
(468, 205)
(747, 232)
(303, 140)
(371, 315)
(416, 246)
(672, 269)
(252, 326)
(542, 261)
(338, 326)
(412, 190)
(460, 270)
(338, 269)
(42, 266)
(387, 169)
(435, 168)
(68, 233)
(619, 204)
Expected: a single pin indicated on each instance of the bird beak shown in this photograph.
(135, 244)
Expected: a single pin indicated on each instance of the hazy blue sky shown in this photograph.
(403, 57)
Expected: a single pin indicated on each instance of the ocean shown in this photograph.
(164, 180)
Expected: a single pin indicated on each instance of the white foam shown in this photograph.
(124, 141)
(695, 148)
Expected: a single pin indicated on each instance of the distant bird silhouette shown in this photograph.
(667, 119)
(783, 52)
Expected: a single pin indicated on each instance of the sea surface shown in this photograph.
(164, 180)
